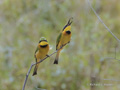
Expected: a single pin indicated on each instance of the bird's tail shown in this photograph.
(56, 58)
(35, 70)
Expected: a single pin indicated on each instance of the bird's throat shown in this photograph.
(68, 32)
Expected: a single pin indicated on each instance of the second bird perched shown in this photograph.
(40, 53)
(43, 46)
(63, 38)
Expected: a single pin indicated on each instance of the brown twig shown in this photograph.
(102, 21)
(35, 64)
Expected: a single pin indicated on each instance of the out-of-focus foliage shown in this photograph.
(84, 61)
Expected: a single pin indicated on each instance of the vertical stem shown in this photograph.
(27, 76)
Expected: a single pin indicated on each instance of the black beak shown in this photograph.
(70, 21)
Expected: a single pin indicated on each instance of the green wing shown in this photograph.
(35, 52)
(58, 40)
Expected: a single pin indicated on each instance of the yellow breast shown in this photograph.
(65, 38)
(42, 52)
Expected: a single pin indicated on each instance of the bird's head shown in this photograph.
(43, 42)
(67, 27)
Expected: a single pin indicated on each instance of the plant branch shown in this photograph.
(37, 63)
(105, 27)
(102, 21)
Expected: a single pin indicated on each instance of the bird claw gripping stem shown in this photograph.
(48, 55)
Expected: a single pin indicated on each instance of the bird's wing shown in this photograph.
(35, 53)
(58, 40)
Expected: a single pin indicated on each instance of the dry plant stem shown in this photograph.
(102, 21)
(104, 26)
(37, 63)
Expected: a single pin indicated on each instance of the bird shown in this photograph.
(63, 38)
(41, 52)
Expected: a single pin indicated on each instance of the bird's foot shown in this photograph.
(47, 55)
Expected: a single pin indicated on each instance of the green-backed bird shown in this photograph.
(63, 38)
(41, 52)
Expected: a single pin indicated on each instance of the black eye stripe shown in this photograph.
(65, 27)
(42, 40)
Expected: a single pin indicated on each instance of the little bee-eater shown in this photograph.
(63, 38)
(41, 52)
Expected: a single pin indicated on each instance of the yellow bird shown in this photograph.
(41, 52)
(63, 38)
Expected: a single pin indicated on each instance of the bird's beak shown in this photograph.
(70, 21)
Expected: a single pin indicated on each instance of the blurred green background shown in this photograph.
(86, 60)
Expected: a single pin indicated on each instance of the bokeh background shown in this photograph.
(88, 59)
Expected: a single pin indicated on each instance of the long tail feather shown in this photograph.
(57, 57)
(35, 70)
(56, 61)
